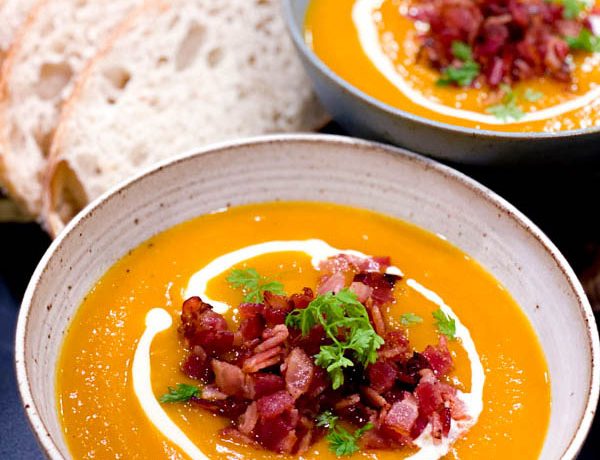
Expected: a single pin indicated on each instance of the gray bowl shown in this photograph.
(365, 116)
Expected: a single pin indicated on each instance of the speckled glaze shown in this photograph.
(316, 168)
(365, 116)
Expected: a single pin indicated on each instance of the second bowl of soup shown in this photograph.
(474, 82)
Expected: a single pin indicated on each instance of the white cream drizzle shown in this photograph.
(158, 320)
(365, 21)
(473, 400)
(318, 250)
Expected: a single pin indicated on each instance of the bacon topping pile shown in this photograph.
(510, 39)
(263, 376)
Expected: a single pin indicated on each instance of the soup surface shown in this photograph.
(374, 45)
(98, 407)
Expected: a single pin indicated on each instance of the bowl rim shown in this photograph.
(297, 37)
(37, 425)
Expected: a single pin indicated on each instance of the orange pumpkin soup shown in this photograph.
(380, 47)
(100, 401)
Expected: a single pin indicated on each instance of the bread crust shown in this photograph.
(8, 184)
(53, 181)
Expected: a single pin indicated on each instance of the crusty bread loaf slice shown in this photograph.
(38, 73)
(181, 74)
(12, 15)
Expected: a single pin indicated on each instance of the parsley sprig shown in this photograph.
(572, 8)
(253, 284)
(183, 393)
(341, 441)
(463, 74)
(507, 109)
(585, 41)
(444, 323)
(532, 95)
(407, 319)
(346, 323)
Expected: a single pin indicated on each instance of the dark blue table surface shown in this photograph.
(562, 201)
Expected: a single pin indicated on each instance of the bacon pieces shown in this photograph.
(299, 372)
(264, 379)
(511, 40)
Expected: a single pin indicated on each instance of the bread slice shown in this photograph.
(181, 74)
(12, 15)
(38, 73)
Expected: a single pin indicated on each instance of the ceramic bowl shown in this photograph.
(316, 168)
(365, 116)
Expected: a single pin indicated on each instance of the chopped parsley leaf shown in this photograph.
(406, 319)
(463, 74)
(507, 109)
(183, 393)
(585, 41)
(341, 312)
(444, 323)
(532, 95)
(573, 8)
(341, 441)
(253, 285)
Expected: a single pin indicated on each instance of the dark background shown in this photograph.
(562, 200)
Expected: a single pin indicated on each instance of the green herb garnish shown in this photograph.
(183, 393)
(532, 95)
(573, 8)
(406, 319)
(253, 285)
(585, 41)
(346, 323)
(466, 72)
(507, 109)
(341, 441)
(444, 323)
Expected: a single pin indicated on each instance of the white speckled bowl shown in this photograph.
(323, 168)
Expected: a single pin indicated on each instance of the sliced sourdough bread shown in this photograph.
(179, 75)
(12, 15)
(58, 37)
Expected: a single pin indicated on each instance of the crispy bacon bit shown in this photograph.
(302, 299)
(439, 357)
(273, 338)
(197, 365)
(299, 373)
(374, 397)
(262, 360)
(376, 318)
(265, 384)
(395, 347)
(332, 283)
(343, 263)
(381, 283)
(382, 375)
(248, 420)
(212, 393)
(201, 326)
(362, 291)
(511, 40)
(275, 404)
(403, 414)
(229, 378)
(349, 401)
(264, 379)
(277, 434)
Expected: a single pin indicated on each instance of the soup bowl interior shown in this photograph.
(367, 117)
(326, 169)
